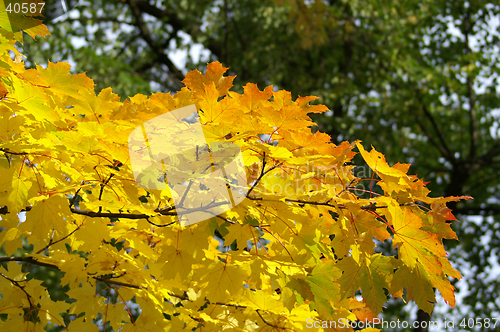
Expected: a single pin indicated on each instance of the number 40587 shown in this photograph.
(25, 8)
(479, 322)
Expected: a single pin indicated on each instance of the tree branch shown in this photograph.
(474, 135)
(143, 215)
(108, 281)
(428, 134)
(488, 157)
(443, 148)
(258, 313)
(169, 211)
(55, 242)
(193, 29)
(16, 283)
(117, 283)
(30, 260)
(85, 20)
(146, 35)
(34, 261)
(103, 184)
(12, 152)
(262, 173)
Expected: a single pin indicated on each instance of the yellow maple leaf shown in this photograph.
(196, 81)
(14, 186)
(395, 178)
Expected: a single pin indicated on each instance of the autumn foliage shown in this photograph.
(301, 245)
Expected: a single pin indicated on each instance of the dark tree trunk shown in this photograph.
(423, 320)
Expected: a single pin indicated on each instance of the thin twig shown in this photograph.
(16, 283)
(117, 283)
(443, 147)
(227, 220)
(30, 260)
(12, 152)
(74, 198)
(185, 194)
(61, 239)
(102, 188)
(262, 173)
(158, 225)
(258, 313)
(345, 188)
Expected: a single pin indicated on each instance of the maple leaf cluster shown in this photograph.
(300, 246)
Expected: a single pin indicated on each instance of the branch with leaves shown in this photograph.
(298, 245)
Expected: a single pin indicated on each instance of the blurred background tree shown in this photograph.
(417, 79)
